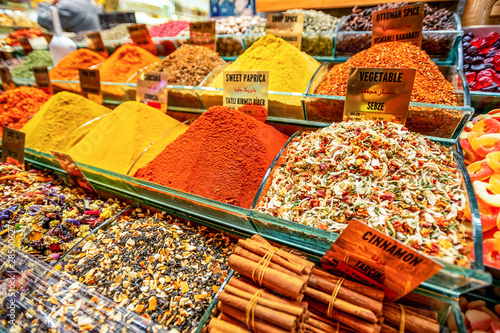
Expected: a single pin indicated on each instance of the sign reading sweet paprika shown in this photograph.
(403, 24)
(378, 260)
(378, 94)
(247, 91)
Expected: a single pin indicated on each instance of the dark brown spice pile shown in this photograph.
(164, 270)
(188, 65)
(361, 20)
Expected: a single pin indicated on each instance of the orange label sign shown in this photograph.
(403, 24)
(140, 36)
(203, 33)
(95, 43)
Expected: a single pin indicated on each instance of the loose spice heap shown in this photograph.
(125, 62)
(188, 65)
(37, 58)
(51, 220)
(18, 105)
(289, 69)
(430, 85)
(60, 115)
(14, 181)
(396, 181)
(164, 270)
(67, 68)
(121, 136)
(222, 156)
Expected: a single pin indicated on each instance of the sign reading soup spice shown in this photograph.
(378, 94)
(6, 78)
(378, 260)
(25, 44)
(152, 89)
(42, 79)
(247, 91)
(203, 33)
(73, 171)
(90, 84)
(140, 36)
(13, 145)
(403, 24)
(287, 26)
(95, 43)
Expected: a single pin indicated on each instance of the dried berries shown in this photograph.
(396, 181)
(188, 65)
(165, 270)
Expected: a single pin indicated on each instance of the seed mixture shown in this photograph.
(396, 181)
(162, 269)
(51, 220)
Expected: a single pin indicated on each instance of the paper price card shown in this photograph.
(378, 94)
(140, 36)
(378, 260)
(247, 91)
(42, 79)
(152, 89)
(203, 33)
(13, 146)
(6, 78)
(286, 26)
(403, 24)
(95, 43)
(25, 44)
(90, 84)
(73, 171)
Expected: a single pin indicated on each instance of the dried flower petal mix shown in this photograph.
(398, 182)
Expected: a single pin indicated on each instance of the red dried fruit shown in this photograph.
(496, 78)
(488, 60)
(472, 85)
(484, 46)
(496, 63)
(492, 37)
(483, 82)
(486, 72)
(476, 42)
(471, 76)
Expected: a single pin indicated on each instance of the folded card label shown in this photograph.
(403, 24)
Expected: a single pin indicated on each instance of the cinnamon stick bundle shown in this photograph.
(260, 326)
(217, 325)
(356, 323)
(413, 322)
(279, 282)
(346, 294)
(354, 286)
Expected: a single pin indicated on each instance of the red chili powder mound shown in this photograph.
(222, 156)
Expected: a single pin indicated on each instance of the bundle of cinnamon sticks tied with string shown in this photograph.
(281, 291)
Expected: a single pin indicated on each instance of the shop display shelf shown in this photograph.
(440, 45)
(481, 101)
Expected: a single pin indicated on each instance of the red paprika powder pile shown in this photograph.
(223, 156)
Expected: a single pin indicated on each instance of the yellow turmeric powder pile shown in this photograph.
(289, 69)
(59, 116)
(120, 137)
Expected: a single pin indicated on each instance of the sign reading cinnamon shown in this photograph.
(403, 24)
(286, 26)
(378, 94)
(247, 91)
(203, 33)
(378, 260)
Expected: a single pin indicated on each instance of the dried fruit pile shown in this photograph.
(165, 270)
(482, 61)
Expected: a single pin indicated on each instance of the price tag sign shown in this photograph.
(403, 24)
(378, 94)
(6, 78)
(90, 84)
(152, 89)
(378, 260)
(203, 33)
(287, 26)
(13, 146)
(7, 55)
(140, 36)
(95, 43)
(73, 171)
(42, 79)
(25, 43)
(247, 91)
